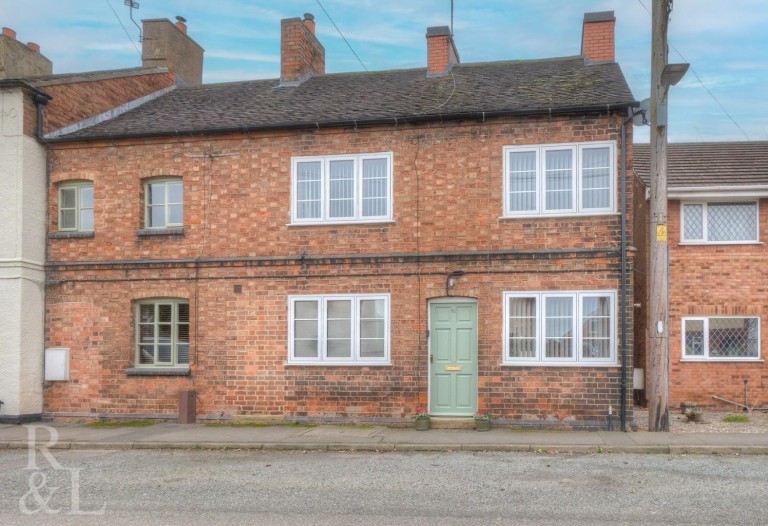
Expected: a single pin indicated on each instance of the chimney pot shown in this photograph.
(309, 21)
(10, 33)
(181, 24)
(34, 47)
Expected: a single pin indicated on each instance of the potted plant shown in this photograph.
(422, 419)
(482, 420)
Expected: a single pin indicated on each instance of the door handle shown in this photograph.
(431, 358)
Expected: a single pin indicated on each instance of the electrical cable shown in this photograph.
(342, 34)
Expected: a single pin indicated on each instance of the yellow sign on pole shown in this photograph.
(661, 232)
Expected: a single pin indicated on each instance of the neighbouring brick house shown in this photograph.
(34, 101)
(346, 247)
(718, 270)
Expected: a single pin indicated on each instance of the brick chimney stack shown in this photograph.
(441, 51)
(597, 37)
(301, 55)
(18, 60)
(167, 45)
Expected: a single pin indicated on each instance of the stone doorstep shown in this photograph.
(452, 422)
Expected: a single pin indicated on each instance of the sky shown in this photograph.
(722, 97)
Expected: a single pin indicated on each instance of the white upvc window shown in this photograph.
(164, 203)
(559, 179)
(339, 329)
(720, 222)
(560, 328)
(76, 207)
(721, 338)
(341, 188)
(162, 333)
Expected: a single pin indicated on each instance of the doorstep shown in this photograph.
(452, 422)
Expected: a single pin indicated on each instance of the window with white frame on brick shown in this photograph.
(163, 203)
(559, 328)
(720, 222)
(162, 333)
(721, 338)
(341, 188)
(339, 329)
(559, 179)
(76, 207)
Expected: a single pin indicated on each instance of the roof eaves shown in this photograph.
(395, 120)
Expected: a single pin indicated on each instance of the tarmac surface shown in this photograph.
(371, 438)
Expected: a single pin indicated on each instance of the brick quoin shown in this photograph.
(447, 204)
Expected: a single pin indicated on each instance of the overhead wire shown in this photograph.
(701, 82)
(124, 28)
(341, 34)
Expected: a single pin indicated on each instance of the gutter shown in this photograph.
(354, 123)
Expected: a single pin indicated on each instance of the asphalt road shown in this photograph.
(295, 488)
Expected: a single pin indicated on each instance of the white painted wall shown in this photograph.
(23, 196)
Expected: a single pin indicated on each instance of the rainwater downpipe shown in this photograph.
(623, 285)
(40, 102)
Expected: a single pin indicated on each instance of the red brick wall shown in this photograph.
(76, 101)
(597, 41)
(238, 205)
(440, 54)
(717, 280)
(448, 191)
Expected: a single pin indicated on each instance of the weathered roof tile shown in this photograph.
(493, 87)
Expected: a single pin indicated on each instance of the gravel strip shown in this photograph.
(712, 422)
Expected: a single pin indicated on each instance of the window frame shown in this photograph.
(174, 363)
(325, 162)
(706, 357)
(577, 323)
(705, 222)
(322, 352)
(166, 204)
(577, 188)
(78, 186)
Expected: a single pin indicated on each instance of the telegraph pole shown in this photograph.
(658, 319)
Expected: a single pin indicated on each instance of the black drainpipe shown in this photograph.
(623, 286)
(40, 102)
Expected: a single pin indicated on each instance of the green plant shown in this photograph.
(483, 414)
(420, 412)
(736, 419)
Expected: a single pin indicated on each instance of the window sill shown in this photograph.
(342, 223)
(560, 216)
(173, 231)
(70, 235)
(337, 364)
(157, 371)
(719, 243)
(721, 360)
(559, 364)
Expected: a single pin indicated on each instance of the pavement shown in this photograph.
(371, 438)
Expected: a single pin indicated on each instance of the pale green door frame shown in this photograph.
(453, 358)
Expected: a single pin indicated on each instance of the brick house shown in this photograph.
(347, 247)
(718, 270)
(33, 101)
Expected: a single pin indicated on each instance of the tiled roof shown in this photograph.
(709, 163)
(477, 90)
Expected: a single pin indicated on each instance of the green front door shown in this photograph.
(453, 358)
